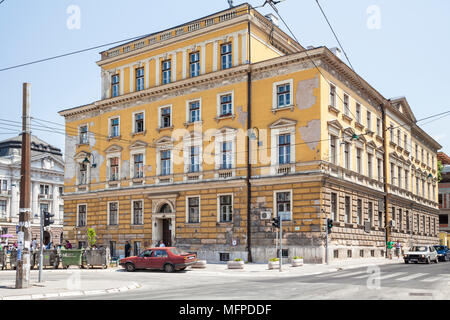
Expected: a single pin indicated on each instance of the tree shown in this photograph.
(91, 236)
(440, 168)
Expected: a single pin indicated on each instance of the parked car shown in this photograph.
(443, 252)
(168, 259)
(421, 253)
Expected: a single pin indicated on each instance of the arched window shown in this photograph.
(165, 209)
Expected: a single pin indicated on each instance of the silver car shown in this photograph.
(421, 253)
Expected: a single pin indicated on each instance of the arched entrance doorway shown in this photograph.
(166, 225)
(47, 237)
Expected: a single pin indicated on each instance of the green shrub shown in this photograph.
(238, 259)
(274, 259)
(297, 257)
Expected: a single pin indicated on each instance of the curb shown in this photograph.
(132, 286)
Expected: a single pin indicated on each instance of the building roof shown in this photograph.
(443, 158)
(38, 146)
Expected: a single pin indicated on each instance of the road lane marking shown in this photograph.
(392, 275)
(412, 276)
(432, 279)
(363, 276)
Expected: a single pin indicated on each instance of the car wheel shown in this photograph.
(130, 267)
(168, 268)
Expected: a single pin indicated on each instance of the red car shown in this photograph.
(168, 259)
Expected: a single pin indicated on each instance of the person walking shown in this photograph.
(34, 244)
(127, 249)
(398, 249)
(389, 246)
(161, 244)
(68, 245)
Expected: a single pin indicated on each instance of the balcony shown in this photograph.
(5, 192)
(44, 196)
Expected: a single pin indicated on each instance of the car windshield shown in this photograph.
(439, 247)
(178, 252)
(419, 248)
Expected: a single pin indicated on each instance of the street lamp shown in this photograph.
(86, 161)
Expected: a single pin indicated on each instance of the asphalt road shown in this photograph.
(399, 281)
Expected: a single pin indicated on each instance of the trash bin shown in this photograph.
(2, 259)
(98, 257)
(50, 258)
(72, 257)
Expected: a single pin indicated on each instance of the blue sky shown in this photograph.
(406, 56)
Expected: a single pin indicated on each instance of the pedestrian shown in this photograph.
(161, 244)
(127, 249)
(390, 245)
(398, 249)
(49, 246)
(68, 245)
(34, 244)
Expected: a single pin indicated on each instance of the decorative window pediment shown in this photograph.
(226, 131)
(164, 141)
(81, 155)
(372, 145)
(113, 148)
(283, 122)
(138, 145)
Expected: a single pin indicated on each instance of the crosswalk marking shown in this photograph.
(432, 279)
(362, 277)
(349, 274)
(391, 275)
(411, 276)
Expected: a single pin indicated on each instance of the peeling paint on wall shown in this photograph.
(69, 168)
(311, 132)
(242, 116)
(125, 170)
(305, 98)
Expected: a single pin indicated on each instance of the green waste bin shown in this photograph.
(72, 257)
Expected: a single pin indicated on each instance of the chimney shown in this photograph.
(272, 18)
(337, 52)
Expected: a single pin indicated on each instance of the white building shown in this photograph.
(47, 183)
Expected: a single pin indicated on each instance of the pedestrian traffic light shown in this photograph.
(329, 224)
(276, 222)
(48, 218)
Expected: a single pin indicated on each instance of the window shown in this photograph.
(44, 189)
(226, 151)
(83, 174)
(138, 165)
(114, 128)
(405, 142)
(399, 138)
(165, 162)
(379, 127)
(348, 217)
(113, 213)
(391, 129)
(369, 120)
(379, 170)
(334, 215)
(194, 164)
(346, 105)
(166, 71)
(440, 199)
(428, 158)
(358, 160)
(443, 218)
(358, 113)
(406, 180)
(223, 256)
(115, 85)
(226, 208)
(194, 64)
(417, 185)
(139, 79)
(61, 190)
(333, 150)
(165, 117)
(380, 218)
(82, 215)
(226, 105)
(399, 178)
(408, 225)
(2, 207)
(283, 95)
(422, 155)
(370, 213)
(4, 185)
(359, 212)
(400, 219)
(332, 96)
(392, 174)
(417, 152)
(347, 147)
(137, 212)
(114, 169)
(139, 122)
(194, 111)
(194, 210)
(369, 165)
(284, 205)
(112, 248)
(284, 148)
(84, 135)
(225, 55)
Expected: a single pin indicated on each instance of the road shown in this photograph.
(398, 281)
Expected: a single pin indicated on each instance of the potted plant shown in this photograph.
(235, 264)
(297, 261)
(274, 263)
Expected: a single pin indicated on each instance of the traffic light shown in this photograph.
(276, 222)
(329, 224)
(48, 218)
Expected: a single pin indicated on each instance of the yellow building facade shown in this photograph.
(206, 131)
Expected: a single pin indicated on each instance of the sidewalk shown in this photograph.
(306, 269)
(69, 285)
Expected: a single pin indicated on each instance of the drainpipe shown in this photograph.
(249, 167)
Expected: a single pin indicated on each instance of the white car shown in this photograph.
(421, 253)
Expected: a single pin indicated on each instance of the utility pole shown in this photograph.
(326, 248)
(281, 242)
(24, 237)
(41, 247)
